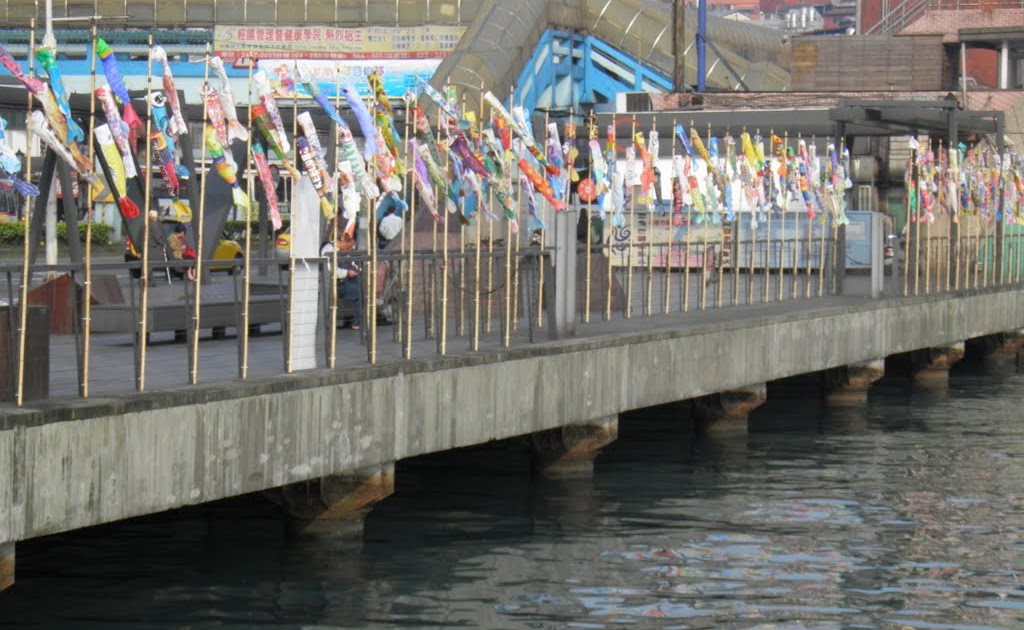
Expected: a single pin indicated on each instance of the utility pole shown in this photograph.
(679, 45)
(702, 39)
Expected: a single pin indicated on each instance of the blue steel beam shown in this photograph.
(594, 70)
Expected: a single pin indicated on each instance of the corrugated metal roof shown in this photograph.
(500, 39)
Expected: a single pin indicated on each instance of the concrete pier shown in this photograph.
(85, 462)
(1004, 349)
(849, 384)
(931, 365)
(569, 452)
(728, 410)
(6, 565)
(335, 506)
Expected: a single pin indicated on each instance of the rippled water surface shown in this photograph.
(905, 514)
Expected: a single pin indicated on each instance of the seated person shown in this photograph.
(346, 274)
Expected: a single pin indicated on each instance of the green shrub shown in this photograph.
(13, 233)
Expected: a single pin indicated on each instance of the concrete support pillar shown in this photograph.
(848, 384)
(334, 506)
(729, 409)
(1004, 65)
(931, 365)
(569, 452)
(1004, 349)
(6, 565)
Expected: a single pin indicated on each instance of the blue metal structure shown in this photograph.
(571, 71)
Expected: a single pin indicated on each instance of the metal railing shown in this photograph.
(904, 13)
(431, 303)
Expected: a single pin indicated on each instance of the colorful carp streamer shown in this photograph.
(266, 93)
(116, 83)
(34, 85)
(363, 117)
(227, 101)
(259, 158)
(118, 129)
(41, 128)
(176, 126)
(316, 175)
(261, 118)
(225, 169)
(116, 173)
(10, 166)
(48, 62)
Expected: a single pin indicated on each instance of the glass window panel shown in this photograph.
(199, 11)
(19, 12)
(414, 11)
(109, 8)
(444, 12)
(261, 11)
(170, 12)
(381, 12)
(229, 11)
(351, 11)
(141, 12)
(320, 11)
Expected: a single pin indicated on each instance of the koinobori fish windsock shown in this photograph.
(116, 82)
(227, 100)
(10, 166)
(177, 125)
(358, 107)
(118, 128)
(115, 169)
(259, 158)
(46, 59)
(225, 169)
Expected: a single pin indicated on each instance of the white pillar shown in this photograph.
(1004, 65)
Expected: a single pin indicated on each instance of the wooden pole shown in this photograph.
(26, 271)
(144, 272)
(204, 170)
(409, 162)
(243, 332)
(90, 203)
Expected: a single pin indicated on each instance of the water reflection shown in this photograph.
(904, 514)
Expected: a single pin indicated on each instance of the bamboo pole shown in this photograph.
(291, 261)
(810, 237)
(609, 239)
(784, 194)
(588, 254)
(687, 239)
(491, 241)
(731, 171)
(26, 272)
(824, 229)
(767, 176)
(475, 344)
(332, 284)
(671, 215)
(410, 107)
(543, 238)
(507, 323)
(196, 312)
(442, 347)
(243, 333)
(370, 317)
(721, 245)
(90, 203)
(632, 231)
(144, 275)
(461, 315)
(704, 242)
(649, 241)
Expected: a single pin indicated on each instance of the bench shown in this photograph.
(177, 316)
